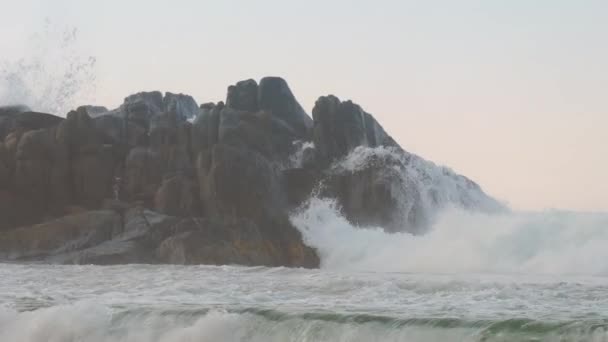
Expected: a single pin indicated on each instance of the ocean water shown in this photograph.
(137, 303)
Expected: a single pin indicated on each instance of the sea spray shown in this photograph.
(469, 231)
(438, 186)
(52, 74)
(461, 241)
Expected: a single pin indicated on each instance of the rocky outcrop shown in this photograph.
(340, 127)
(161, 180)
(207, 241)
(58, 236)
(243, 96)
(275, 97)
(178, 196)
(374, 195)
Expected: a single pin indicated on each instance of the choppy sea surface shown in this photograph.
(206, 303)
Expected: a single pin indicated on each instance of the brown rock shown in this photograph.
(237, 242)
(35, 161)
(340, 127)
(61, 235)
(143, 174)
(93, 173)
(34, 120)
(300, 183)
(5, 171)
(240, 183)
(275, 97)
(177, 196)
(243, 96)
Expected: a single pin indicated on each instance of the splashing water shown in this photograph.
(470, 231)
(52, 75)
(461, 241)
(297, 159)
(438, 186)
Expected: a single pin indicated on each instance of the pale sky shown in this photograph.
(513, 94)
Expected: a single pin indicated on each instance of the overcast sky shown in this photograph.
(513, 94)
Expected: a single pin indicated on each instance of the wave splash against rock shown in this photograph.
(161, 179)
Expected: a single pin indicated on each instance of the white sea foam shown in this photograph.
(462, 241)
(468, 233)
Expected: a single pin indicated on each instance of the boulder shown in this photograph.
(182, 106)
(7, 210)
(204, 241)
(5, 171)
(177, 196)
(243, 96)
(41, 172)
(61, 235)
(260, 131)
(116, 130)
(173, 146)
(140, 107)
(275, 97)
(299, 184)
(340, 127)
(34, 120)
(92, 163)
(143, 174)
(78, 131)
(239, 183)
(146, 226)
(93, 111)
(245, 130)
(8, 116)
(374, 195)
(93, 175)
(135, 241)
(205, 129)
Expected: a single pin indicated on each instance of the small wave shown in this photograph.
(97, 323)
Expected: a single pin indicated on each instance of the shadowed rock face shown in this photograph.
(161, 180)
(340, 127)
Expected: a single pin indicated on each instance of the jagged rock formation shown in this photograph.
(340, 127)
(141, 183)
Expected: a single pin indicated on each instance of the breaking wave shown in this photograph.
(99, 323)
(468, 233)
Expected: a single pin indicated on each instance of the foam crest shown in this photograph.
(97, 323)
